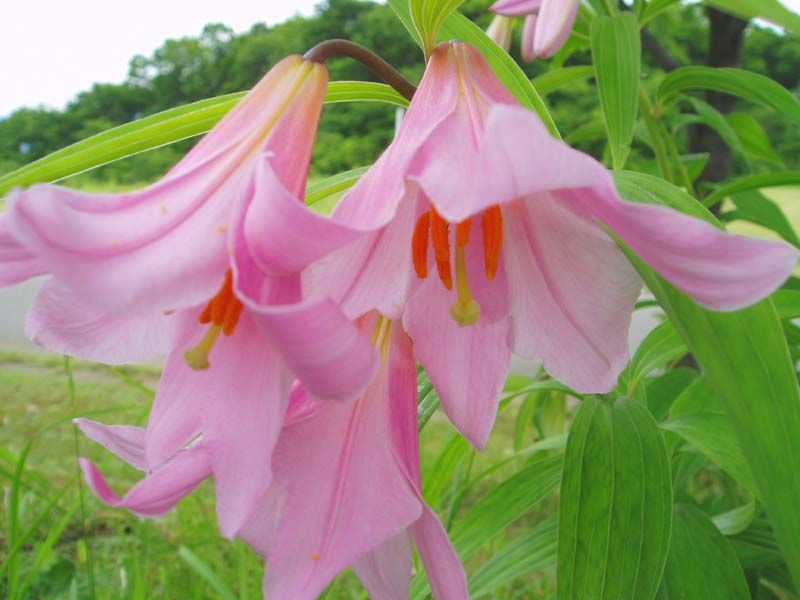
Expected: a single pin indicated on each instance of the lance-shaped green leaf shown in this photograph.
(659, 348)
(745, 358)
(753, 182)
(737, 82)
(165, 128)
(557, 79)
(754, 138)
(756, 208)
(771, 10)
(528, 552)
(617, 55)
(701, 564)
(616, 503)
(712, 435)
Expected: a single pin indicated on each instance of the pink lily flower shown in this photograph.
(346, 491)
(488, 238)
(179, 269)
(548, 23)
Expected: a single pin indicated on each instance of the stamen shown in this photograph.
(466, 311)
(223, 312)
(463, 230)
(197, 357)
(492, 225)
(440, 236)
(419, 245)
(381, 334)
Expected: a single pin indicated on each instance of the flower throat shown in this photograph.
(433, 230)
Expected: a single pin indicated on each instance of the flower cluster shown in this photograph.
(292, 339)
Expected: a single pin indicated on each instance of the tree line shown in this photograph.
(219, 61)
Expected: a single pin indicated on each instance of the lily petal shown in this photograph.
(528, 38)
(572, 302)
(442, 563)
(61, 321)
(467, 365)
(719, 270)
(339, 493)
(16, 263)
(515, 8)
(386, 571)
(242, 421)
(554, 25)
(160, 490)
(125, 441)
(324, 349)
(373, 273)
(282, 234)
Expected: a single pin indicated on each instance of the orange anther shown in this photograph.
(419, 245)
(224, 309)
(492, 225)
(462, 233)
(440, 236)
(232, 315)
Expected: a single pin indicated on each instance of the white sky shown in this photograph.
(52, 49)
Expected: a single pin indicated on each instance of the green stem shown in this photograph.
(656, 131)
(74, 409)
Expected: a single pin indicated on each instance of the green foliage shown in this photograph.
(616, 503)
(616, 53)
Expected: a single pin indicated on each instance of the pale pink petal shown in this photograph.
(528, 37)
(442, 564)
(467, 365)
(181, 398)
(301, 405)
(372, 202)
(572, 293)
(237, 406)
(515, 8)
(338, 492)
(554, 25)
(282, 234)
(374, 273)
(263, 109)
(443, 567)
(125, 441)
(326, 351)
(160, 249)
(719, 270)
(62, 321)
(248, 391)
(160, 490)
(386, 571)
(500, 31)
(16, 263)
(507, 166)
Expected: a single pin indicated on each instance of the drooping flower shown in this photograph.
(346, 491)
(548, 23)
(179, 268)
(488, 238)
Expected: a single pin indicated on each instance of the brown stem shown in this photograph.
(330, 48)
